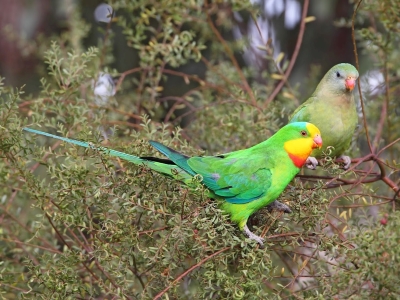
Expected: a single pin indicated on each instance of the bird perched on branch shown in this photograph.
(243, 181)
(333, 110)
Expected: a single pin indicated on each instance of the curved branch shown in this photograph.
(179, 278)
(358, 81)
(383, 117)
(386, 179)
(294, 56)
(231, 55)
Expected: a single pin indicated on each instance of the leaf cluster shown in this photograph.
(75, 223)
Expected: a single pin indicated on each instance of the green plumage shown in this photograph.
(332, 109)
(244, 181)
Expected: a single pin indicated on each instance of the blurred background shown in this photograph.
(25, 23)
(203, 77)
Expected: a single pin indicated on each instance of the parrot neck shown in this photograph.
(298, 150)
(298, 161)
(325, 90)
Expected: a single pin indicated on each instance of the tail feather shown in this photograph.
(131, 158)
(75, 142)
(158, 165)
(178, 158)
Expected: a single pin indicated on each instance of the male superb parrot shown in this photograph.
(244, 181)
(333, 110)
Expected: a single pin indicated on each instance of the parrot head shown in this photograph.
(301, 139)
(340, 78)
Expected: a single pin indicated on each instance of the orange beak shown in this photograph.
(317, 142)
(350, 82)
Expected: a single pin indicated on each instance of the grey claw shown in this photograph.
(346, 160)
(252, 236)
(276, 205)
(311, 163)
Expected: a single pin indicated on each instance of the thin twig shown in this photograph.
(358, 81)
(230, 54)
(384, 109)
(70, 248)
(294, 56)
(179, 278)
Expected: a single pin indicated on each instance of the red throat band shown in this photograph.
(298, 161)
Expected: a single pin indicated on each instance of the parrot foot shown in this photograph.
(346, 160)
(311, 163)
(276, 205)
(252, 236)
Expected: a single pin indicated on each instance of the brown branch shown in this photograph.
(36, 165)
(266, 229)
(363, 179)
(178, 102)
(309, 256)
(152, 230)
(387, 146)
(209, 105)
(105, 40)
(15, 219)
(31, 245)
(305, 263)
(177, 279)
(386, 179)
(15, 288)
(119, 111)
(384, 109)
(230, 54)
(361, 205)
(123, 123)
(358, 81)
(89, 252)
(124, 74)
(70, 248)
(294, 56)
(196, 78)
(290, 234)
(360, 195)
(217, 70)
(396, 194)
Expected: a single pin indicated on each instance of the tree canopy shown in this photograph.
(204, 77)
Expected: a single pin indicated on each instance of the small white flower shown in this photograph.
(103, 13)
(103, 88)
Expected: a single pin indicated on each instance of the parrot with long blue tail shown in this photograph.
(242, 181)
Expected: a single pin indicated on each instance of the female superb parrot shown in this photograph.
(332, 109)
(245, 180)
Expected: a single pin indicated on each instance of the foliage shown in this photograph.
(75, 223)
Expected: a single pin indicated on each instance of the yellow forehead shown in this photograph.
(312, 129)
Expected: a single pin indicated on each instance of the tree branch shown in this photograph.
(294, 56)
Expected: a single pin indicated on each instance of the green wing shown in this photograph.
(302, 114)
(238, 180)
(234, 176)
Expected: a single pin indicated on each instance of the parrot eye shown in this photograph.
(337, 74)
(303, 133)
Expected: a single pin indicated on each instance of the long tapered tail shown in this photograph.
(161, 167)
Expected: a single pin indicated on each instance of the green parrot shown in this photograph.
(333, 110)
(243, 181)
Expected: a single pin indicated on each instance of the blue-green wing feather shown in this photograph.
(238, 180)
